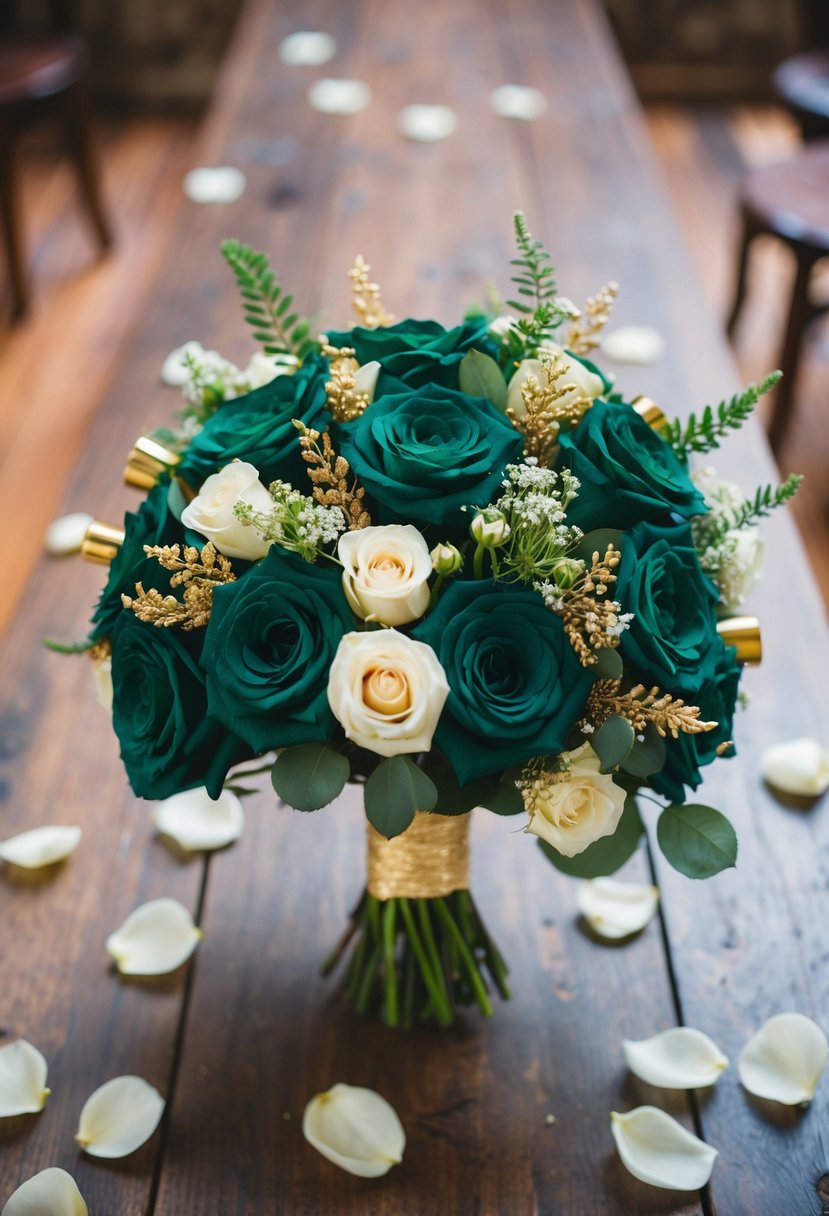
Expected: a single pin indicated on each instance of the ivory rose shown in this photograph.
(587, 383)
(387, 691)
(584, 806)
(211, 511)
(386, 573)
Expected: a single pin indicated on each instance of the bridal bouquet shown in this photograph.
(453, 566)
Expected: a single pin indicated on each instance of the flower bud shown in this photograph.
(566, 571)
(489, 527)
(446, 559)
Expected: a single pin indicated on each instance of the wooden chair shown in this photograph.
(802, 84)
(42, 77)
(789, 201)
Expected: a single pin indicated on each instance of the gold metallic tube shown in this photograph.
(650, 412)
(147, 461)
(744, 633)
(102, 542)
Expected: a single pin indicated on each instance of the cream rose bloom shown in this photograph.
(584, 806)
(211, 511)
(386, 573)
(587, 383)
(387, 691)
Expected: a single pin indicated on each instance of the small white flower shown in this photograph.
(386, 573)
(40, 846)
(784, 1060)
(211, 511)
(119, 1117)
(489, 527)
(22, 1079)
(174, 370)
(356, 1129)
(154, 939)
(52, 1192)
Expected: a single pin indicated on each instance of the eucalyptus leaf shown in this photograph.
(480, 376)
(604, 856)
(454, 798)
(697, 840)
(309, 775)
(608, 665)
(506, 798)
(647, 756)
(613, 741)
(176, 499)
(394, 791)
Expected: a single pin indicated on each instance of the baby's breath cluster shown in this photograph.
(295, 522)
(534, 505)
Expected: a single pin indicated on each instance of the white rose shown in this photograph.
(387, 691)
(261, 370)
(386, 573)
(587, 383)
(211, 511)
(103, 682)
(584, 806)
(500, 327)
(365, 379)
(719, 495)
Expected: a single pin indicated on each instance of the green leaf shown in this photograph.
(480, 376)
(648, 756)
(265, 307)
(394, 791)
(613, 741)
(506, 797)
(697, 840)
(604, 856)
(454, 798)
(309, 775)
(608, 665)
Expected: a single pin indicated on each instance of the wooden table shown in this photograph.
(240, 1039)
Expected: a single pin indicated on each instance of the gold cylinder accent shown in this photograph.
(147, 461)
(429, 860)
(744, 633)
(650, 412)
(102, 542)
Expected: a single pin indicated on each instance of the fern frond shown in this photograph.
(267, 309)
(765, 500)
(535, 280)
(703, 433)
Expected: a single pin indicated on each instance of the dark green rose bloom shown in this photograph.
(416, 352)
(672, 640)
(422, 456)
(151, 524)
(269, 646)
(159, 712)
(627, 472)
(257, 428)
(516, 685)
(689, 753)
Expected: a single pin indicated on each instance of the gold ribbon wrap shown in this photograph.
(429, 860)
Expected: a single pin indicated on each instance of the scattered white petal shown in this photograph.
(427, 123)
(356, 1129)
(658, 1150)
(331, 96)
(102, 675)
(307, 48)
(221, 185)
(174, 369)
(196, 822)
(154, 939)
(119, 1117)
(67, 534)
(22, 1080)
(784, 1060)
(40, 846)
(518, 101)
(633, 344)
(679, 1058)
(616, 909)
(52, 1192)
(798, 767)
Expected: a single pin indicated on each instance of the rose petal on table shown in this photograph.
(307, 48)
(658, 1150)
(784, 1060)
(224, 184)
(52, 1192)
(22, 1079)
(40, 846)
(356, 1129)
(119, 1117)
(66, 534)
(679, 1058)
(331, 96)
(615, 909)
(425, 124)
(196, 822)
(154, 939)
(518, 101)
(102, 675)
(633, 344)
(800, 766)
(174, 369)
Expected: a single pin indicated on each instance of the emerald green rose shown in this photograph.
(159, 712)
(672, 640)
(416, 353)
(689, 753)
(423, 455)
(271, 639)
(516, 687)
(257, 428)
(627, 472)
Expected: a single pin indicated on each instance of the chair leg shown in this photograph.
(10, 222)
(801, 312)
(78, 123)
(748, 235)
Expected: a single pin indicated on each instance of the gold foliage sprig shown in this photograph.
(366, 300)
(583, 335)
(100, 650)
(341, 395)
(545, 410)
(329, 475)
(198, 572)
(591, 618)
(640, 705)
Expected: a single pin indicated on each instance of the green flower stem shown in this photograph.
(436, 586)
(363, 993)
(389, 917)
(438, 999)
(478, 561)
(467, 957)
